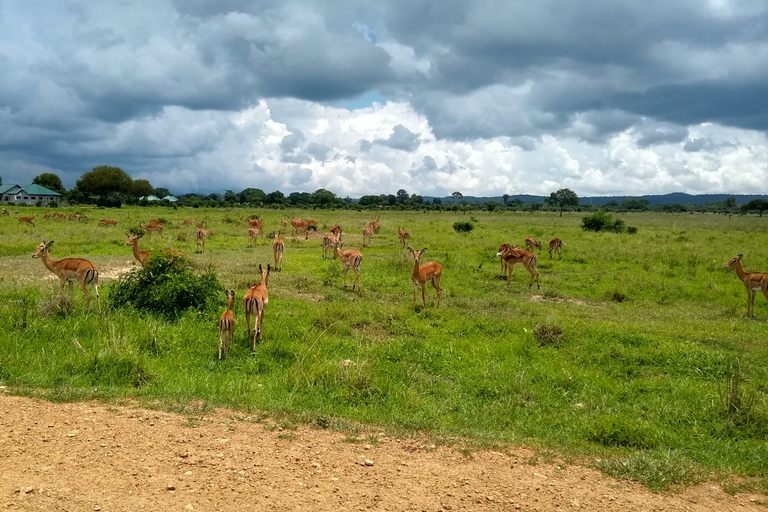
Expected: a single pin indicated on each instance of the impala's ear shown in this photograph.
(738, 256)
(49, 244)
(410, 250)
(423, 250)
(260, 268)
(268, 268)
(233, 293)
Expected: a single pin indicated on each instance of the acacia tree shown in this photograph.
(563, 198)
(50, 181)
(760, 205)
(105, 181)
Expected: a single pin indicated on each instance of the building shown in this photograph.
(29, 194)
(172, 199)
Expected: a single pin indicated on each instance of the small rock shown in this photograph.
(368, 462)
(171, 487)
(189, 506)
(367, 447)
(315, 464)
(28, 490)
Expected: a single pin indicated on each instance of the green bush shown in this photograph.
(167, 286)
(601, 221)
(463, 227)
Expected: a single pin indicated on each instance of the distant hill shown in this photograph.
(673, 198)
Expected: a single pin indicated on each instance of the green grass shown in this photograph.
(636, 355)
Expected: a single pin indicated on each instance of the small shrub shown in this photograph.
(167, 287)
(601, 221)
(463, 227)
(631, 230)
(548, 335)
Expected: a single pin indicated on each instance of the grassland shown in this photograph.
(636, 354)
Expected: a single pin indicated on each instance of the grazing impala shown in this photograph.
(153, 225)
(299, 225)
(278, 246)
(421, 274)
(187, 222)
(27, 220)
(144, 256)
(531, 242)
(254, 302)
(375, 225)
(107, 222)
(337, 231)
(404, 235)
(201, 234)
(69, 270)
(367, 236)
(227, 325)
(512, 256)
(253, 236)
(753, 281)
(329, 241)
(556, 245)
(351, 258)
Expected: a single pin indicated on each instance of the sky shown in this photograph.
(359, 97)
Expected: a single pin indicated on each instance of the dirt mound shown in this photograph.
(93, 456)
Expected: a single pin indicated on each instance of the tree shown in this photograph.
(323, 198)
(505, 197)
(106, 181)
(252, 196)
(457, 195)
(142, 188)
(230, 196)
(275, 197)
(402, 196)
(632, 203)
(299, 198)
(563, 199)
(730, 202)
(162, 192)
(760, 205)
(48, 180)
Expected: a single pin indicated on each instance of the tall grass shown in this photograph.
(637, 351)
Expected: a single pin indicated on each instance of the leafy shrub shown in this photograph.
(463, 227)
(167, 287)
(601, 221)
(631, 230)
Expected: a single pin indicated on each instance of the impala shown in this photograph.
(278, 246)
(404, 235)
(299, 225)
(256, 223)
(753, 281)
(329, 241)
(107, 222)
(201, 234)
(556, 245)
(144, 256)
(253, 235)
(284, 223)
(421, 274)
(500, 253)
(311, 224)
(152, 226)
(375, 225)
(27, 220)
(351, 258)
(69, 270)
(337, 231)
(227, 325)
(512, 256)
(187, 222)
(531, 242)
(367, 236)
(254, 302)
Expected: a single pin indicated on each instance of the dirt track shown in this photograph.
(93, 456)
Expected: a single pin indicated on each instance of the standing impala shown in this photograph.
(144, 256)
(227, 325)
(253, 236)
(404, 235)
(556, 245)
(154, 225)
(201, 234)
(531, 242)
(278, 246)
(753, 281)
(351, 258)
(329, 241)
(27, 220)
(299, 225)
(254, 302)
(367, 236)
(512, 256)
(69, 270)
(421, 274)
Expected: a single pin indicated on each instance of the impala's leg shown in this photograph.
(221, 341)
(357, 278)
(424, 294)
(261, 326)
(248, 320)
(751, 311)
(346, 268)
(415, 291)
(436, 284)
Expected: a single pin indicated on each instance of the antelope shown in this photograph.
(256, 223)
(556, 245)
(367, 236)
(153, 227)
(47, 215)
(421, 274)
(253, 234)
(500, 253)
(337, 231)
(298, 226)
(375, 225)
(351, 258)
(512, 256)
(187, 222)
(254, 302)
(278, 246)
(404, 235)
(27, 220)
(227, 325)
(753, 281)
(201, 234)
(311, 224)
(329, 240)
(69, 270)
(284, 223)
(107, 222)
(531, 242)
(143, 256)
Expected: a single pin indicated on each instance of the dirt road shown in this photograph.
(99, 457)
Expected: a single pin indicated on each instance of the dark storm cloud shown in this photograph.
(401, 138)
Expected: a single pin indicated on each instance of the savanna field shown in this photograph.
(636, 355)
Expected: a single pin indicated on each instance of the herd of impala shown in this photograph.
(85, 273)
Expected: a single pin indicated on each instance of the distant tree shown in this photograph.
(162, 192)
(142, 188)
(635, 204)
(416, 199)
(370, 201)
(457, 195)
(252, 196)
(402, 196)
(491, 206)
(391, 200)
(437, 201)
(505, 197)
(275, 197)
(105, 181)
(323, 198)
(215, 196)
(562, 199)
(756, 204)
(299, 198)
(230, 196)
(730, 203)
(48, 180)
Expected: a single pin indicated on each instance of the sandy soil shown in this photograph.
(100, 457)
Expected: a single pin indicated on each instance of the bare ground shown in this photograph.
(101, 457)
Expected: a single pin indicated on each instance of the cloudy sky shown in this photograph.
(365, 97)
